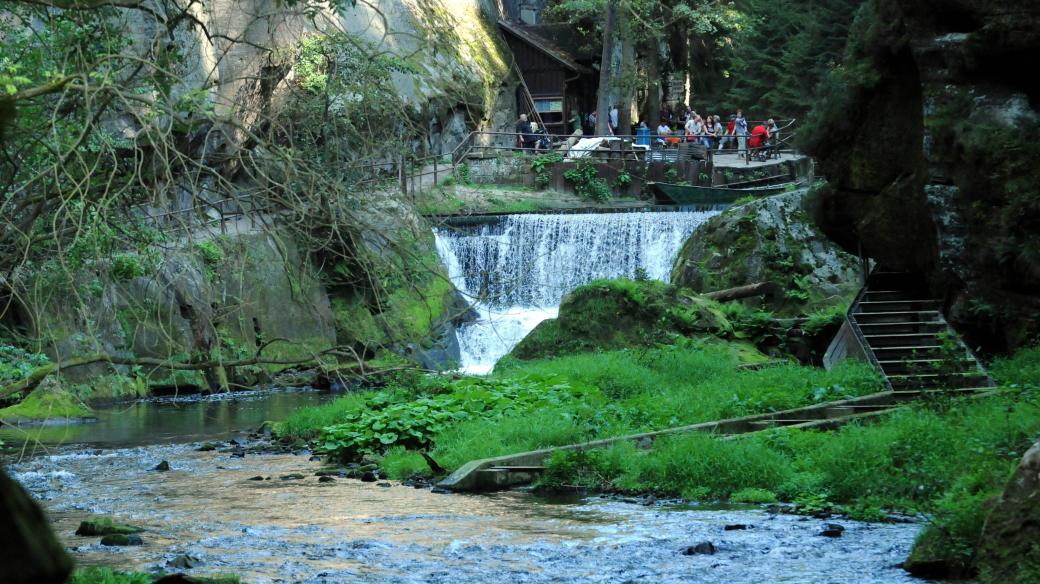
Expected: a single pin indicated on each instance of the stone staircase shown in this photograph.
(907, 339)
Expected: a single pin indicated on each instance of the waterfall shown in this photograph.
(515, 270)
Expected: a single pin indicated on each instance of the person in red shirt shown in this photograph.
(759, 142)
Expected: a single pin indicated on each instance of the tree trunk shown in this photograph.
(653, 75)
(606, 70)
(203, 335)
(628, 80)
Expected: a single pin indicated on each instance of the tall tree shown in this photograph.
(606, 69)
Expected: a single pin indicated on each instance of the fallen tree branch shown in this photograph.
(770, 289)
(41, 373)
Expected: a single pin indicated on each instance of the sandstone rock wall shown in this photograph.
(924, 135)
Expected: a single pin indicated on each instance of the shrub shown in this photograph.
(211, 253)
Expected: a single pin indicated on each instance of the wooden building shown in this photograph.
(554, 83)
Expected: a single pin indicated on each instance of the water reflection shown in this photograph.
(168, 420)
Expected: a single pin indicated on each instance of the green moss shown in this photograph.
(109, 387)
(615, 314)
(105, 526)
(355, 324)
(46, 403)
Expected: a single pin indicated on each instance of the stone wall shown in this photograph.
(921, 135)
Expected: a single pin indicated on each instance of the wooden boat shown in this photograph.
(667, 193)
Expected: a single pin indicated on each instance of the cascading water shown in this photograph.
(516, 270)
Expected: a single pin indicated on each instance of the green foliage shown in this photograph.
(16, 364)
(587, 182)
(212, 254)
(611, 314)
(913, 460)
(1022, 369)
(96, 575)
(540, 165)
(404, 419)
(623, 179)
(777, 59)
(821, 319)
(753, 495)
(463, 173)
(126, 267)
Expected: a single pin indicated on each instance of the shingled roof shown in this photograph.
(544, 45)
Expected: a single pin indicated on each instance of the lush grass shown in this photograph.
(698, 382)
(908, 461)
(108, 576)
(947, 459)
(96, 575)
(610, 394)
(307, 422)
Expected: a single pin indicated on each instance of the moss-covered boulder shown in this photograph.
(770, 240)
(105, 526)
(48, 403)
(616, 314)
(1010, 546)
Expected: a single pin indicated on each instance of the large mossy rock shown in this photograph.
(769, 240)
(1010, 546)
(617, 314)
(29, 552)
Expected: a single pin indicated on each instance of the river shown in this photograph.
(301, 530)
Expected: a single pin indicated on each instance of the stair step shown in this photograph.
(877, 295)
(874, 328)
(937, 380)
(896, 367)
(914, 393)
(902, 339)
(896, 305)
(897, 316)
(897, 353)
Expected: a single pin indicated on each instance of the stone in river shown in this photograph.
(119, 539)
(291, 477)
(326, 479)
(256, 478)
(832, 530)
(704, 547)
(105, 527)
(183, 562)
(162, 466)
(368, 477)
(737, 526)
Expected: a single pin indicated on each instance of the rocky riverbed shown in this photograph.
(210, 513)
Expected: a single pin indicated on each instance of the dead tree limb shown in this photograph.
(770, 289)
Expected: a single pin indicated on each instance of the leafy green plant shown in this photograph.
(212, 254)
(462, 172)
(16, 364)
(623, 179)
(587, 182)
(126, 266)
(400, 419)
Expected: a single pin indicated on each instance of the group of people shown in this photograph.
(710, 131)
(688, 126)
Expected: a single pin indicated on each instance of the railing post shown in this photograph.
(436, 162)
(401, 175)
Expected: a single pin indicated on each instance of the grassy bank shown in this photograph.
(534, 404)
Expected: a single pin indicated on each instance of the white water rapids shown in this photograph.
(514, 271)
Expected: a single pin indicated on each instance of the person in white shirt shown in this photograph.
(663, 131)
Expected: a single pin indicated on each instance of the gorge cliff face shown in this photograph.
(925, 137)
